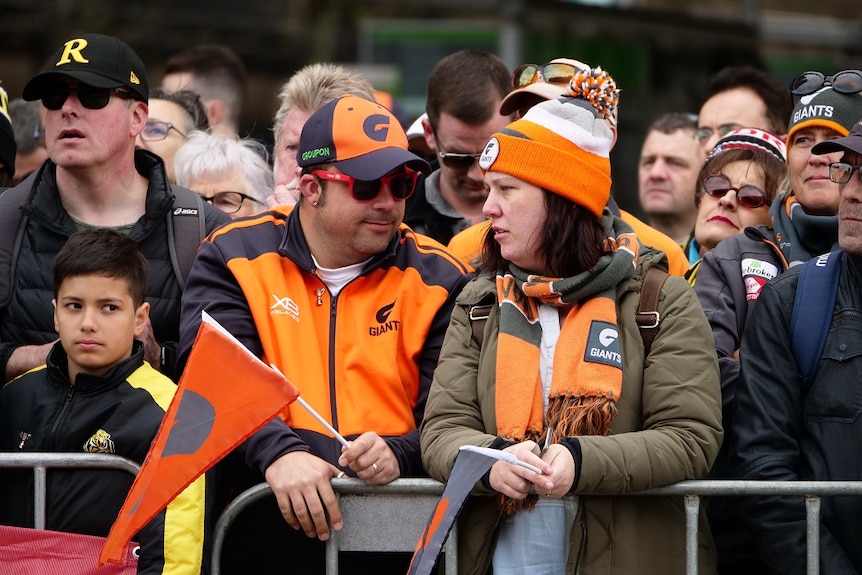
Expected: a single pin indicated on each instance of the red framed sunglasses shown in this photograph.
(401, 185)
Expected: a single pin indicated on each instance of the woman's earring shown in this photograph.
(314, 203)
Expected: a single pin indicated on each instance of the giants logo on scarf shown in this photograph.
(603, 345)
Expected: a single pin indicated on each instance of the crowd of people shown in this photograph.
(466, 280)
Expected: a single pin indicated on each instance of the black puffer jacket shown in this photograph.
(28, 319)
(783, 434)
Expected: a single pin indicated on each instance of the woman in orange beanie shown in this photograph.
(556, 370)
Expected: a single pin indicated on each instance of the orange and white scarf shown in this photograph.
(587, 368)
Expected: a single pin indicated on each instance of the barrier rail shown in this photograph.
(376, 518)
(692, 491)
(363, 518)
(402, 508)
(41, 462)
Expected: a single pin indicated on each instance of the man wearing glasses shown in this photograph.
(741, 97)
(94, 90)
(173, 116)
(351, 305)
(464, 94)
(793, 428)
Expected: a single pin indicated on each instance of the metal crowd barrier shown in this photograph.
(401, 509)
(376, 518)
(692, 491)
(40, 462)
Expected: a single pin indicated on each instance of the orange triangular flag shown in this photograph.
(225, 394)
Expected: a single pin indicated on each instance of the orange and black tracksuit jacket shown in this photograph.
(363, 360)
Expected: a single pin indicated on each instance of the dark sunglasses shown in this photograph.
(749, 197)
(455, 161)
(90, 97)
(552, 73)
(841, 172)
(844, 82)
(401, 185)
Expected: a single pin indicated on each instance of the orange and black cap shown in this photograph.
(96, 60)
(362, 138)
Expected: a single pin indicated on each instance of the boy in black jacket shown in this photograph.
(97, 395)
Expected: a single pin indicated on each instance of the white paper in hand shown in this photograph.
(506, 456)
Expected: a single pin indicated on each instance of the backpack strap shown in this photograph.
(186, 230)
(11, 235)
(478, 315)
(812, 313)
(647, 317)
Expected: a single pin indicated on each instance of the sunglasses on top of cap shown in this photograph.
(750, 197)
(844, 82)
(401, 185)
(553, 73)
(90, 97)
(455, 161)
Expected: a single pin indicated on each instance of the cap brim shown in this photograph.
(416, 129)
(851, 143)
(377, 164)
(529, 96)
(35, 88)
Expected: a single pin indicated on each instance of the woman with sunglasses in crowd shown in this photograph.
(561, 377)
(735, 187)
(802, 223)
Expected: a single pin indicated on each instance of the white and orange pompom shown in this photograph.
(598, 88)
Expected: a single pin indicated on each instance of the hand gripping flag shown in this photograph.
(470, 465)
(225, 394)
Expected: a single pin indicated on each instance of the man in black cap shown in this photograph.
(798, 401)
(95, 91)
(7, 143)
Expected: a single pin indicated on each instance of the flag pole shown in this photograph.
(317, 416)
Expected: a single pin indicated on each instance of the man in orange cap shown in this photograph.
(351, 306)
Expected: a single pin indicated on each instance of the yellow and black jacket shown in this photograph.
(117, 413)
(363, 359)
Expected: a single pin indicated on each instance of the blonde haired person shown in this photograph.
(303, 94)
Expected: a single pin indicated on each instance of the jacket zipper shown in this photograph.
(63, 409)
(582, 547)
(333, 304)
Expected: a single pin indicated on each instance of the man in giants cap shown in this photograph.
(94, 89)
(351, 306)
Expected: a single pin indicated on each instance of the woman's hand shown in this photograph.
(560, 459)
(516, 481)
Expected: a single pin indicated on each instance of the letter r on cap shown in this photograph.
(73, 52)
